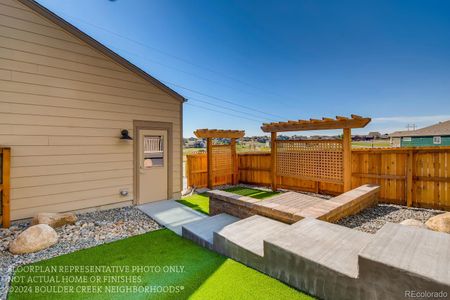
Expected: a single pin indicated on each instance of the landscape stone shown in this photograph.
(33, 239)
(414, 223)
(54, 219)
(440, 223)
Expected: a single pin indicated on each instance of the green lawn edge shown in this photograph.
(205, 275)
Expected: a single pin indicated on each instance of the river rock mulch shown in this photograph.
(91, 229)
(372, 219)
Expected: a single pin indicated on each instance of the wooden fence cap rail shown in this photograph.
(339, 122)
(219, 133)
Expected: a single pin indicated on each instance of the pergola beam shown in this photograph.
(219, 133)
(317, 124)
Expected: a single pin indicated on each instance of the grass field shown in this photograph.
(200, 202)
(371, 144)
(155, 265)
(239, 148)
(262, 147)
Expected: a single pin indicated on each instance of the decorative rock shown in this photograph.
(33, 239)
(439, 223)
(73, 237)
(54, 219)
(414, 223)
(372, 219)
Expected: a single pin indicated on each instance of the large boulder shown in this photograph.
(439, 223)
(54, 219)
(33, 239)
(414, 223)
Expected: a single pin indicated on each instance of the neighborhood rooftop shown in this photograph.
(441, 128)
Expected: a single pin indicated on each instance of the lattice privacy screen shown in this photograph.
(222, 160)
(313, 160)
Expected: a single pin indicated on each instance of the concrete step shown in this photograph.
(202, 232)
(171, 214)
(318, 257)
(244, 240)
(418, 259)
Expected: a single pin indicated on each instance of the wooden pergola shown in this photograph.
(221, 159)
(326, 147)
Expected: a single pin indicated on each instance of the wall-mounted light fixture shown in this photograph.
(125, 135)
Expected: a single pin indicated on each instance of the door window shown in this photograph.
(153, 151)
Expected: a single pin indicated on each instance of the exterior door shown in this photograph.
(153, 161)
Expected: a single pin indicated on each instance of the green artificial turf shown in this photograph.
(249, 192)
(176, 269)
(200, 202)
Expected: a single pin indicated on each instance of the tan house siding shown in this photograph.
(62, 106)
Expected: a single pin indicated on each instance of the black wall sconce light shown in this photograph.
(125, 135)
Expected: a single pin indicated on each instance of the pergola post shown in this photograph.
(234, 159)
(347, 158)
(209, 162)
(273, 160)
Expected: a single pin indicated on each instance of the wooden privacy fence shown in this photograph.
(417, 177)
(224, 170)
(5, 155)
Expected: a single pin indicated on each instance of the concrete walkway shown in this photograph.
(171, 214)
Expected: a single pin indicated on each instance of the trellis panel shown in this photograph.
(311, 160)
(222, 160)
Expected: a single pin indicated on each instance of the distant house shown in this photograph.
(374, 135)
(434, 135)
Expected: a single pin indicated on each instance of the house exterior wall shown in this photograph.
(422, 141)
(395, 141)
(62, 107)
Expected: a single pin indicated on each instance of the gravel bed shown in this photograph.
(372, 219)
(91, 229)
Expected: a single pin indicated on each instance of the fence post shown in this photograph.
(234, 159)
(188, 171)
(6, 217)
(409, 178)
(273, 157)
(347, 158)
(209, 162)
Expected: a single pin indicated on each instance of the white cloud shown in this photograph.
(413, 119)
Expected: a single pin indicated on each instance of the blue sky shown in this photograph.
(241, 63)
